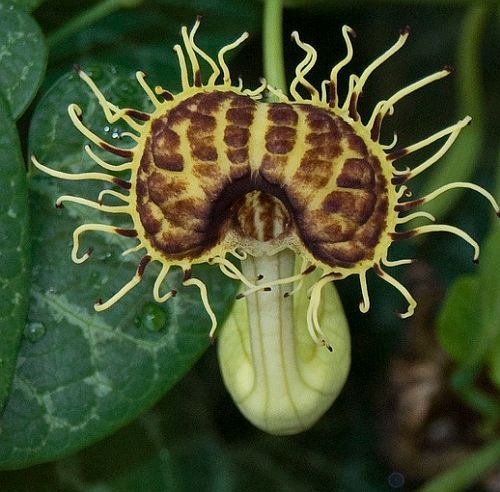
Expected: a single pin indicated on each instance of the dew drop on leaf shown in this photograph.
(34, 331)
(105, 256)
(152, 318)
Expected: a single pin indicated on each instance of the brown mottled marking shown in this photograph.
(323, 227)
(211, 102)
(151, 224)
(171, 162)
(324, 143)
(369, 234)
(202, 123)
(157, 187)
(280, 139)
(202, 151)
(164, 144)
(238, 171)
(349, 252)
(356, 143)
(179, 243)
(315, 172)
(336, 206)
(357, 174)
(179, 113)
(237, 156)
(240, 116)
(236, 136)
(161, 187)
(329, 152)
(319, 120)
(263, 209)
(272, 167)
(185, 212)
(272, 215)
(282, 114)
(208, 171)
(355, 206)
(147, 162)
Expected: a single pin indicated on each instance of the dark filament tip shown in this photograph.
(126, 232)
(143, 264)
(122, 183)
(138, 115)
(187, 274)
(116, 150)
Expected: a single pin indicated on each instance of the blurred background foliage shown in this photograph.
(421, 405)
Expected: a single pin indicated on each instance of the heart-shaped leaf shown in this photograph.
(22, 57)
(14, 248)
(83, 374)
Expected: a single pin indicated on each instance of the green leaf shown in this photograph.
(308, 4)
(468, 472)
(28, 5)
(457, 324)
(469, 327)
(14, 249)
(84, 374)
(22, 57)
(143, 38)
(469, 320)
(463, 158)
(490, 302)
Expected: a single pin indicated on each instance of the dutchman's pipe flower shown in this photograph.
(300, 191)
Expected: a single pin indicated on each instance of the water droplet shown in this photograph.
(51, 291)
(34, 331)
(116, 133)
(396, 480)
(152, 317)
(106, 128)
(105, 256)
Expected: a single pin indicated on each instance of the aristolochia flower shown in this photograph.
(219, 173)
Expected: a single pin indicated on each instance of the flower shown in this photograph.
(217, 172)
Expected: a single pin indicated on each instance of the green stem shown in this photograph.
(274, 66)
(468, 472)
(87, 18)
